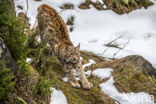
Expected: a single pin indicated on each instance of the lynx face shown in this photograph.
(72, 54)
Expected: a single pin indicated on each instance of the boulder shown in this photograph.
(137, 63)
(6, 59)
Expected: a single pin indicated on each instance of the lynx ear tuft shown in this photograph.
(67, 48)
(78, 47)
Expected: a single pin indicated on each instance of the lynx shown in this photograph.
(53, 29)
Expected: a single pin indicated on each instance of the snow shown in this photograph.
(94, 1)
(88, 73)
(88, 64)
(57, 97)
(38, 38)
(28, 60)
(125, 98)
(102, 73)
(93, 28)
(65, 79)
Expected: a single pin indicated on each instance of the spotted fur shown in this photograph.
(54, 30)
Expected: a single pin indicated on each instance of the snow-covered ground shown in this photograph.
(57, 97)
(102, 74)
(88, 64)
(93, 28)
(121, 98)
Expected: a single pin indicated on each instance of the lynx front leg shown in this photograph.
(71, 78)
(85, 83)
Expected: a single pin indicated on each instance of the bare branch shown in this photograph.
(111, 45)
(121, 48)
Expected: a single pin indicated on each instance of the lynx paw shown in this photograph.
(87, 85)
(75, 84)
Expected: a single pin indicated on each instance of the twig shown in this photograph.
(34, 24)
(121, 48)
(116, 101)
(114, 40)
(27, 8)
(105, 50)
(111, 43)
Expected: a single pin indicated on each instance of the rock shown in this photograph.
(27, 83)
(134, 63)
(137, 63)
(6, 59)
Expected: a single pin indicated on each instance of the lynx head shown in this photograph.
(72, 54)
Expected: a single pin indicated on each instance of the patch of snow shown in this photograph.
(101, 1)
(48, 45)
(125, 98)
(28, 60)
(65, 79)
(81, 58)
(104, 6)
(94, 1)
(88, 64)
(88, 73)
(77, 78)
(38, 38)
(57, 97)
(103, 73)
(21, 3)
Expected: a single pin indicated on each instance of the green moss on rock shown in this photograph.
(6, 83)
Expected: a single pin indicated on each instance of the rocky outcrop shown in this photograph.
(139, 64)
(134, 63)
(26, 84)
(6, 59)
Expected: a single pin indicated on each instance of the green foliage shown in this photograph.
(6, 83)
(125, 1)
(43, 87)
(70, 21)
(115, 4)
(21, 100)
(132, 1)
(23, 68)
(12, 32)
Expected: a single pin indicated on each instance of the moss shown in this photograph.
(43, 87)
(12, 32)
(21, 100)
(70, 21)
(81, 96)
(6, 83)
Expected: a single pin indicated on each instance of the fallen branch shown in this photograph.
(114, 40)
(121, 48)
(110, 44)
